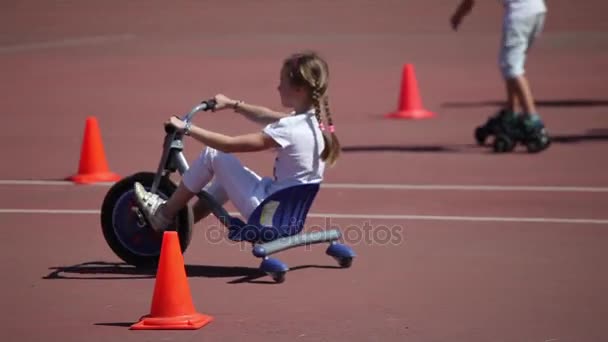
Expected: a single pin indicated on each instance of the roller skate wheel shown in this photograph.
(503, 143)
(537, 144)
(480, 135)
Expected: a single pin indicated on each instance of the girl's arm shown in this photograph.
(242, 143)
(258, 114)
(254, 113)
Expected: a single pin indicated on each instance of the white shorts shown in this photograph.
(224, 177)
(518, 36)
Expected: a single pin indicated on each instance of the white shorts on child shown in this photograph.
(519, 33)
(224, 177)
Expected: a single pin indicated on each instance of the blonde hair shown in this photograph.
(307, 69)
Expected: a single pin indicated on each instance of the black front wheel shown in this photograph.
(125, 229)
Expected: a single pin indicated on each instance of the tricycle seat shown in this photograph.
(281, 214)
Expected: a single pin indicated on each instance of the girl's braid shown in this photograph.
(316, 94)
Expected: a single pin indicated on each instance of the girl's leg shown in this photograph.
(512, 103)
(200, 209)
(159, 212)
(177, 201)
(233, 180)
(524, 90)
(518, 35)
(237, 183)
(524, 94)
(511, 50)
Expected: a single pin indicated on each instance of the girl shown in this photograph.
(300, 139)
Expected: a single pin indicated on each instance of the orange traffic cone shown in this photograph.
(410, 104)
(93, 166)
(172, 306)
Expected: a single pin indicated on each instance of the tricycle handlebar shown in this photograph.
(204, 106)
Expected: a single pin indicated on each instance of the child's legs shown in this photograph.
(232, 181)
(200, 209)
(177, 201)
(537, 29)
(197, 176)
(512, 102)
(238, 183)
(523, 93)
(518, 36)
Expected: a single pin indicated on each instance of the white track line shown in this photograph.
(371, 186)
(465, 187)
(463, 218)
(357, 216)
(68, 42)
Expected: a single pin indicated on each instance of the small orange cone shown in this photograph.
(172, 306)
(93, 166)
(410, 104)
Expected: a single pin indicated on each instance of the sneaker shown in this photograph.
(150, 204)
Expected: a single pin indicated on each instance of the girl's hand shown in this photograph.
(223, 102)
(176, 122)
